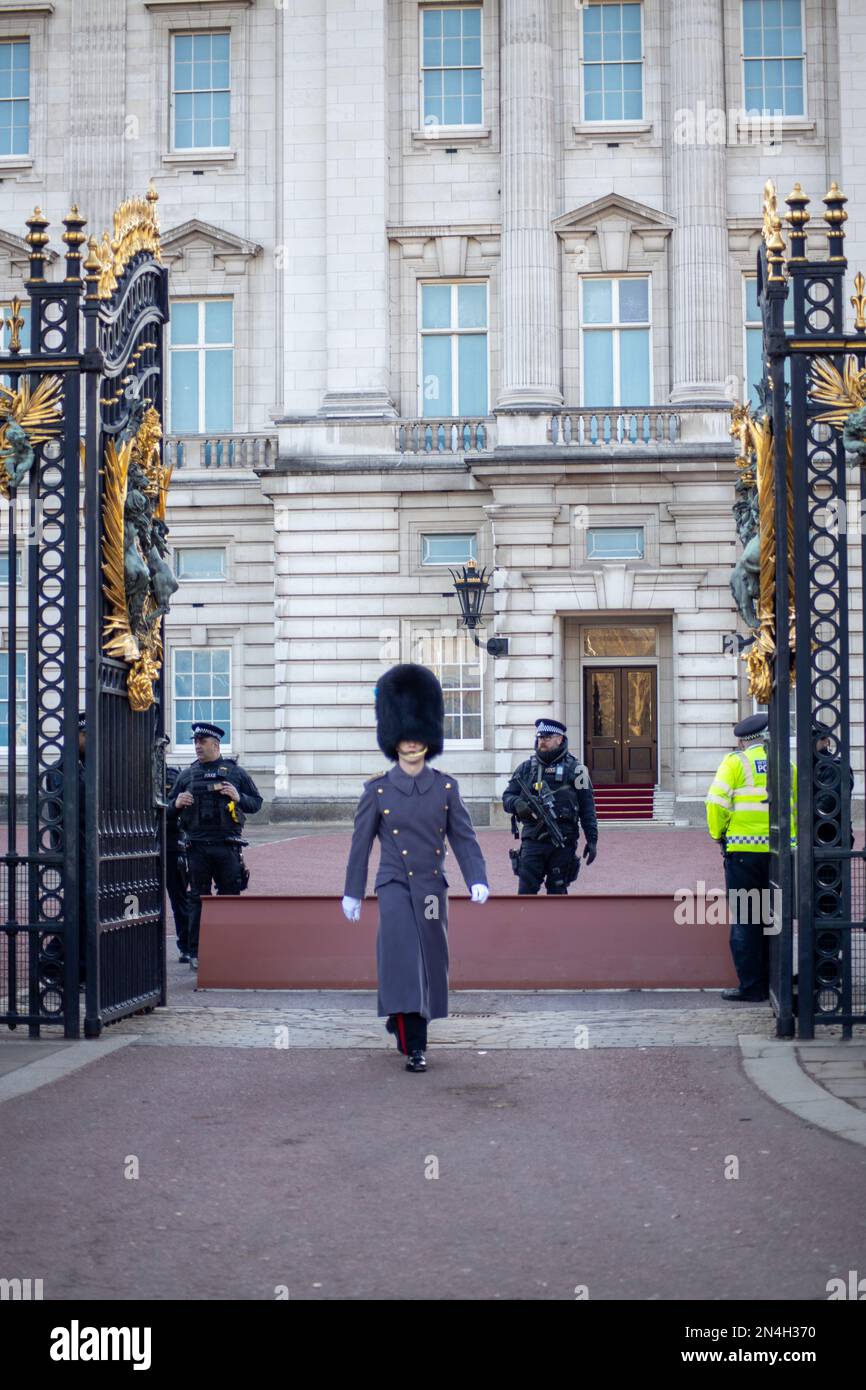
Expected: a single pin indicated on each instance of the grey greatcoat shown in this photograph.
(411, 816)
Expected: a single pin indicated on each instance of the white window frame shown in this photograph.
(590, 122)
(177, 746)
(19, 747)
(600, 559)
(200, 348)
(439, 535)
(473, 126)
(4, 567)
(200, 579)
(23, 154)
(435, 629)
(617, 327)
(454, 333)
(753, 324)
(193, 150)
(803, 57)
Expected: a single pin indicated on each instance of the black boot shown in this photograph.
(417, 1061)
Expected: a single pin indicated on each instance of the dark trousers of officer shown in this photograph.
(177, 887)
(410, 1030)
(750, 946)
(540, 861)
(219, 864)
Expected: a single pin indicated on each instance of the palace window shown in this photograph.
(200, 562)
(774, 58)
(453, 351)
(20, 700)
(615, 543)
(201, 91)
(202, 370)
(448, 550)
(4, 567)
(612, 63)
(451, 70)
(202, 690)
(754, 347)
(14, 97)
(456, 662)
(615, 342)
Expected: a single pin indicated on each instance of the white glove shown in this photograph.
(480, 892)
(352, 908)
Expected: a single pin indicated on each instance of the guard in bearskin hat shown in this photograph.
(412, 810)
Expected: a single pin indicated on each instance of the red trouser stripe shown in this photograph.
(402, 1031)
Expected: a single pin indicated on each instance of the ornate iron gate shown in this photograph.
(806, 528)
(86, 893)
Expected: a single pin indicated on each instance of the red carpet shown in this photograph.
(624, 803)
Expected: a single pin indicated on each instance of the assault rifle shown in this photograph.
(542, 809)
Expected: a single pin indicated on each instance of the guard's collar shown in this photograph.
(405, 783)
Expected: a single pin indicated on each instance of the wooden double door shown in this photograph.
(620, 725)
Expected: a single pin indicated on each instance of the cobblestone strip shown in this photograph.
(360, 1028)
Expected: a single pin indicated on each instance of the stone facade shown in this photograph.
(334, 204)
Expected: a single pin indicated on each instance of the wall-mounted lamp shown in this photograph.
(470, 587)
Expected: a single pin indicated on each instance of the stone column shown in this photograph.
(94, 140)
(530, 296)
(356, 156)
(699, 287)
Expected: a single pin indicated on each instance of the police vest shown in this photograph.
(738, 805)
(211, 812)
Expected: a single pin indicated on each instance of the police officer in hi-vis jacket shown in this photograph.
(412, 810)
(738, 818)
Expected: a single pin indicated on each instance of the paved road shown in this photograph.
(306, 1166)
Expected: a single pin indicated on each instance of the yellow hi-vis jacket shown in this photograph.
(738, 805)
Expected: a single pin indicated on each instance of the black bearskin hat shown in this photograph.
(409, 705)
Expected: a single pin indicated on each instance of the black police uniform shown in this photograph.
(213, 828)
(540, 859)
(176, 868)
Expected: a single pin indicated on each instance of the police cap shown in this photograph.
(201, 730)
(549, 726)
(748, 728)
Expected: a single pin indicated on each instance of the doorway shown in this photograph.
(620, 725)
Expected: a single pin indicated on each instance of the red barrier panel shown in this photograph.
(604, 942)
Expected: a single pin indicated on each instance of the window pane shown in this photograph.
(472, 371)
(597, 301)
(619, 641)
(634, 301)
(472, 306)
(200, 563)
(634, 367)
(184, 323)
(436, 374)
(183, 661)
(615, 543)
(753, 313)
(220, 660)
(448, 550)
(435, 306)
(598, 368)
(471, 22)
(218, 391)
(184, 392)
(754, 363)
(218, 321)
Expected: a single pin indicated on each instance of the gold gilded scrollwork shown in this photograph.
(26, 420)
(137, 584)
(136, 228)
(755, 462)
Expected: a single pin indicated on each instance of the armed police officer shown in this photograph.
(213, 797)
(551, 795)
